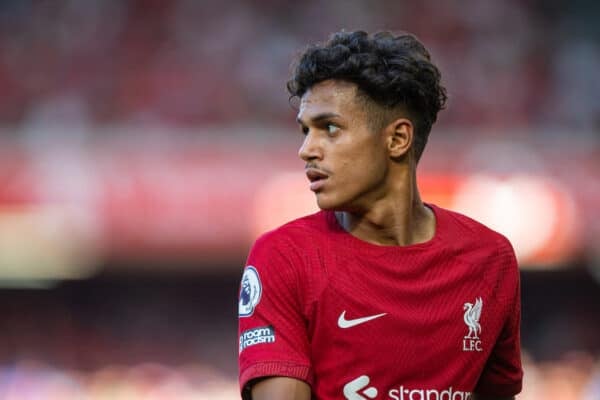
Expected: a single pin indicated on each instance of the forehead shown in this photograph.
(329, 96)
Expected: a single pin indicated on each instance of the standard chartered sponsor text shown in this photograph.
(402, 393)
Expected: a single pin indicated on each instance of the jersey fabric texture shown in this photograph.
(356, 320)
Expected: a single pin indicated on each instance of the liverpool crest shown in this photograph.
(471, 341)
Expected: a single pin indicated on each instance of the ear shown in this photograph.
(400, 137)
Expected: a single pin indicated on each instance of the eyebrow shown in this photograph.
(319, 117)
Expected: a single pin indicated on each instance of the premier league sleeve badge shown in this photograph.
(250, 292)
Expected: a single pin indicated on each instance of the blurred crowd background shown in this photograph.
(187, 63)
(145, 144)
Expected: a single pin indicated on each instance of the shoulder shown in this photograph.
(488, 254)
(466, 234)
(294, 246)
(296, 234)
(285, 257)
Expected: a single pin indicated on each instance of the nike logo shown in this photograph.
(349, 323)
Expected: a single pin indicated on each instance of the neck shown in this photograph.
(397, 219)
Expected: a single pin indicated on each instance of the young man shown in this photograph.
(379, 295)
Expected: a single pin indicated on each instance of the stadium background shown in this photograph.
(145, 144)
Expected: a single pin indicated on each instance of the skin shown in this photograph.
(371, 179)
(370, 184)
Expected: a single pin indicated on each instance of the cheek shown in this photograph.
(361, 160)
(365, 169)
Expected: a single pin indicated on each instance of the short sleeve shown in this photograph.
(273, 339)
(503, 374)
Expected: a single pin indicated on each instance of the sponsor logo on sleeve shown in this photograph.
(251, 337)
(250, 292)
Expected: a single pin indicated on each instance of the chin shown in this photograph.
(329, 204)
(335, 203)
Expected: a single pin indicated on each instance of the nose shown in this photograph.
(310, 149)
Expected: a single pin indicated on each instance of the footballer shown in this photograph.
(379, 295)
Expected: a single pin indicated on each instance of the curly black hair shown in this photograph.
(391, 70)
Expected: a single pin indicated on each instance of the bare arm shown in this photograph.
(280, 388)
(482, 397)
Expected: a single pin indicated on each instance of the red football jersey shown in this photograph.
(431, 321)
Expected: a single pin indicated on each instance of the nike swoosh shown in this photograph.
(349, 323)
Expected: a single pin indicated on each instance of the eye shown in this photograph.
(331, 128)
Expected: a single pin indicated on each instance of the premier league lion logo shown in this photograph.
(249, 292)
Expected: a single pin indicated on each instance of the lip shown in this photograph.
(317, 185)
(317, 178)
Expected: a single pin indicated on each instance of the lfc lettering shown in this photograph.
(472, 345)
